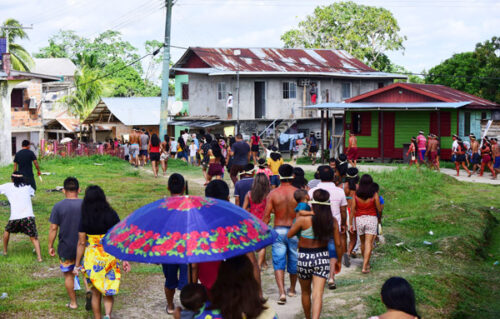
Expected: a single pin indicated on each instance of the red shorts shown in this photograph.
(352, 155)
(433, 156)
(486, 158)
(313, 98)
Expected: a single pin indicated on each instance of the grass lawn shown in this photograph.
(454, 277)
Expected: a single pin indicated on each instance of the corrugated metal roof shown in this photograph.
(277, 60)
(202, 124)
(435, 91)
(450, 93)
(55, 66)
(389, 106)
(131, 111)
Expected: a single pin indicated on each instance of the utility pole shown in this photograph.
(165, 73)
(7, 31)
(237, 53)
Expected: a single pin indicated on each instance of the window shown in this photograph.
(346, 90)
(16, 98)
(445, 126)
(380, 85)
(485, 116)
(185, 91)
(289, 90)
(466, 123)
(221, 91)
(361, 123)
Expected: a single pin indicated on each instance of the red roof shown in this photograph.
(276, 60)
(434, 91)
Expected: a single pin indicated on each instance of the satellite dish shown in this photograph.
(176, 107)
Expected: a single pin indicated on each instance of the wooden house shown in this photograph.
(384, 120)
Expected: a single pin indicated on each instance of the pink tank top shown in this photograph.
(257, 209)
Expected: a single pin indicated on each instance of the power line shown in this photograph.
(328, 67)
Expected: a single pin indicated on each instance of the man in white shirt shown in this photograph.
(185, 136)
(338, 205)
(454, 147)
(22, 219)
(229, 105)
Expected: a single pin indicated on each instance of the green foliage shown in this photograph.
(475, 72)
(20, 59)
(112, 56)
(88, 90)
(365, 32)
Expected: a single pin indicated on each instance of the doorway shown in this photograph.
(387, 132)
(260, 99)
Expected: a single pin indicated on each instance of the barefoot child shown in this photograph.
(22, 219)
(65, 217)
(411, 152)
(302, 198)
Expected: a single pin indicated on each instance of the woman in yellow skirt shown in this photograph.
(100, 268)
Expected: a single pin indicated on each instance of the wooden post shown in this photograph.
(304, 100)
(332, 151)
(382, 135)
(327, 137)
(322, 138)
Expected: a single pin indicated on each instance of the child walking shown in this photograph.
(262, 168)
(65, 218)
(274, 163)
(22, 219)
(193, 149)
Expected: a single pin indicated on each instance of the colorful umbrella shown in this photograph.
(187, 229)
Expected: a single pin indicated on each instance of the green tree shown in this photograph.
(20, 59)
(113, 58)
(475, 72)
(365, 32)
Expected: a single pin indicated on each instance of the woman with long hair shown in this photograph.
(236, 293)
(411, 152)
(365, 206)
(350, 186)
(255, 202)
(460, 157)
(399, 299)
(313, 265)
(165, 150)
(154, 153)
(216, 162)
(22, 219)
(182, 149)
(255, 142)
(101, 270)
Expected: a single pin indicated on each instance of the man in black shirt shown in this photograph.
(23, 163)
(240, 151)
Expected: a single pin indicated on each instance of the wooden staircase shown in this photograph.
(273, 137)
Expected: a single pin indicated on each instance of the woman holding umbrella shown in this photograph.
(100, 268)
(314, 261)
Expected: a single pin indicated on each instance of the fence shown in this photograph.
(76, 148)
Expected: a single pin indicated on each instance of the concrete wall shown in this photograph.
(203, 95)
(5, 124)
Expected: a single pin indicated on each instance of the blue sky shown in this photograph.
(436, 29)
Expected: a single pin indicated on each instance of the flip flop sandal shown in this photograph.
(88, 301)
(332, 285)
(290, 294)
(282, 301)
(170, 311)
(346, 260)
(69, 307)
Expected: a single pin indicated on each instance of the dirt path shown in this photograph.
(485, 179)
(142, 294)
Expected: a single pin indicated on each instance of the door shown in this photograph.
(260, 99)
(387, 132)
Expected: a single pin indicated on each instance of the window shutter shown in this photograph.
(366, 124)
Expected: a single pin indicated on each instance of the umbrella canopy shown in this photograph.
(187, 229)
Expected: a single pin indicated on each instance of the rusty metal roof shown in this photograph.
(277, 60)
(439, 92)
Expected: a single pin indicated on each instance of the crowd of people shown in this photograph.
(320, 225)
(474, 154)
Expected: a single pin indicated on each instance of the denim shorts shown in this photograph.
(175, 275)
(332, 251)
(275, 180)
(285, 251)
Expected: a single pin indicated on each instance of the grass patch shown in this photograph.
(454, 277)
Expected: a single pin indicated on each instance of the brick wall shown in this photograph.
(25, 117)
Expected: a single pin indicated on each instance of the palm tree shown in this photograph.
(87, 93)
(20, 59)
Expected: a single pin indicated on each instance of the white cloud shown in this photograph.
(435, 30)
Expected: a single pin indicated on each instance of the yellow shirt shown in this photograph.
(274, 165)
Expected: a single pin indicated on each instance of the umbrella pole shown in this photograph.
(190, 273)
